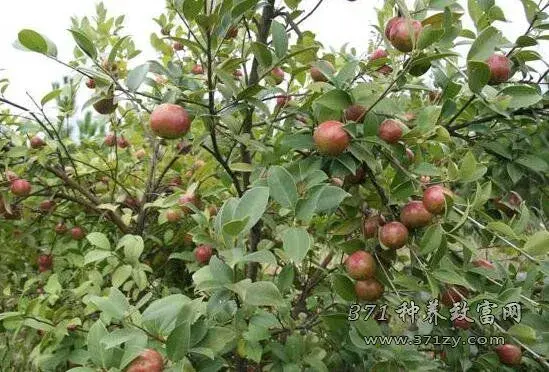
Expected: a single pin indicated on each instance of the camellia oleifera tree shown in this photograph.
(251, 187)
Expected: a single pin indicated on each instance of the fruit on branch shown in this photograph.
(509, 354)
(355, 113)
(237, 74)
(390, 130)
(404, 33)
(318, 75)
(393, 235)
(36, 142)
(110, 140)
(410, 155)
(515, 200)
(434, 199)
(105, 106)
(337, 181)
(232, 32)
(371, 225)
(78, 233)
(11, 176)
(203, 253)
(90, 83)
(175, 182)
(170, 121)
(414, 214)
(47, 205)
(45, 262)
(132, 202)
(149, 360)
(278, 75)
(461, 324)
(60, 228)
(360, 265)
(425, 179)
(20, 187)
(369, 289)
(177, 46)
(212, 209)
(500, 68)
(390, 25)
(357, 178)
(481, 262)
(189, 198)
(140, 154)
(453, 294)
(283, 101)
(122, 142)
(330, 138)
(197, 70)
(173, 215)
(379, 54)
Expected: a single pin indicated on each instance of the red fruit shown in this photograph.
(371, 224)
(90, 83)
(237, 74)
(140, 154)
(148, 361)
(37, 142)
(11, 176)
(393, 235)
(385, 70)
(173, 215)
(197, 70)
(170, 121)
(45, 262)
(434, 199)
(390, 25)
(400, 35)
(481, 262)
(330, 138)
(20, 187)
(360, 265)
(232, 32)
(369, 290)
(414, 214)
(410, 155)
(515, 199)
(500, 68)
(317, 75)
(110, 139)
(178, 46)
(452, 295)
(390, 130)
(357, 178)
(122, 142)
(203, 253)
(47, 205)
(78, 233)
(379, 54)
(283, 101)
(176, 181)
(355, 113)
(509, 354)
(60, 228)
(188, 199)
(461, 324)
(131, 202)
(278, 75)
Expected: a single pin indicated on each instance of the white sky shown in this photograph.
(336, 22)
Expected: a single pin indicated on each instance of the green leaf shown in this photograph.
(429, 35)
(330, 198)
(485, 44)
(538, 244)
(282, 186)
(242, 7)
(115, 305)
(296, 242)
(336, 99)
(264, 256)
(120, 275)
(235, 227)
(116, 48)
(521, 96)
(426, 169)
(252, 205)
(502, 228)
(137, 76)
(346, 74)
(262, 294)
(523, 333)
(242, 167)
(99, 240)
(51, 95)
(220, 270)
(344, 287)
(479, 75)
(98, 353)
(96, 255)
(178, 342)
(280, 39)
(470, 170)
(161, 315)
(33, 41)
(533, 162)
(84, 43)
(133, 247)
(431, 240)
(262, 54)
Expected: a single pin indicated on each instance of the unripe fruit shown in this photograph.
(509, 354)
(481, 262)
(357, 178)
(393, 235)
(203, 253)
(369, 290)
(400, 35)
(317, 75)
(360, 265)
(45, 262)
(283, 101)
(170, 121)
(390, 25)
(105, 106)
(330, 138)
(500, 68)
(47, 205)
(20, 187)
(197, 70)
(414, 214)
(232, 32)
(452, 295)
(278, 75)
(122, 142)
(355, 113)
(110, 140)
(390, 130)
(90, 83)
(60, 228)
(434, 199)
(177, 46)
(461, 324)
(140, 154)
(148, 361)
(37, 142)
(370, 226)
(78, 233)
(173, 215)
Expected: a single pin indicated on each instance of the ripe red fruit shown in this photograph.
(390, 130)
(278, 75)
(330, 138)
(317, 75)
(283, 101)
(203, 253)
(461, 324)
(188, 199)
(11, 176)
(369, 290)
(414, 214)
(78, 233)
(357, 178)
(170, 121)
(379, 54)
(355, 113)
(122, 142)
(400, 35)
(110, 140)
(45, 262)
(197, 70)
(453, 294)
(393, 235)
(434, 199)
(177, 46)
(47, 205)
(90, 83)
(148, 361)
(500, 68)
(173, 215)
(509, 354)
(60, 228)
(20, 187)
(371, 224)
(37, 142)
(360, 265)
(232, 32)
(481, 262)
(390, 25)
